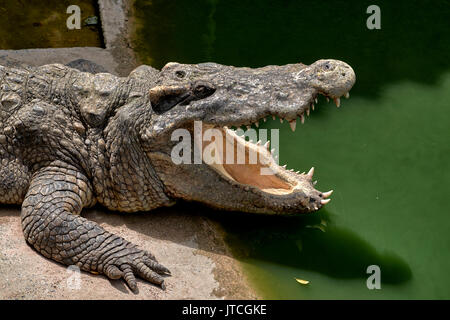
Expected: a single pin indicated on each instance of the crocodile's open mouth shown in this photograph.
(253, 164)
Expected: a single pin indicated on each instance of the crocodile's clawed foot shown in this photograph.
(140, 263)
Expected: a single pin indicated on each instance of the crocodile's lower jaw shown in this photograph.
(263, 173)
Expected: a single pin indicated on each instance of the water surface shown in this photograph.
(28, 24)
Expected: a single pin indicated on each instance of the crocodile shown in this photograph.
(70, 140)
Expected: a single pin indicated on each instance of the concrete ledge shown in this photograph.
(189, 245)
(113, 19)
(38, 57)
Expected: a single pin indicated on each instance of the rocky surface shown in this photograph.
(190, 245)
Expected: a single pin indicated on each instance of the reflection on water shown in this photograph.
(312, 243)
(385, 152)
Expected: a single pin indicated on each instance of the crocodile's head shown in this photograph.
(222, 97)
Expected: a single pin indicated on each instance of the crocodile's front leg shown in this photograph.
(52, 224)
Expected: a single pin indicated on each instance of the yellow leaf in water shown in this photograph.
(301, 281)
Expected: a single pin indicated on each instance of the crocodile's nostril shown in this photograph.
(343, 74)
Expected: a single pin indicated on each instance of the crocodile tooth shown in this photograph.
(328, 100)
(310, 172)
(264, 119)
(315, 100)
(327, 194)
(267, 144)
(259, 142)
(273, 117)
(284, 167)
(257, 124)
(293, 123)
(302, 118)
(281, 120)
(307, 111)
(315, 182)
(325, 201)
(337, 101)
(347, 95)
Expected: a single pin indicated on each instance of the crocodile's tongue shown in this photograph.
(243, 161)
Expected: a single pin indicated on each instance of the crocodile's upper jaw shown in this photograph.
(286, 92)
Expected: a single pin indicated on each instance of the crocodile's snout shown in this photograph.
(332, 78)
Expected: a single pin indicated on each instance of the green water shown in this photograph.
(42, 24)
(385, 152)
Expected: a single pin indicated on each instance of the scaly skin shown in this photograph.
(70, 139)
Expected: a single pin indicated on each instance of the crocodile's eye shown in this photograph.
(83, 93)
(180, 74)
(202, 91)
